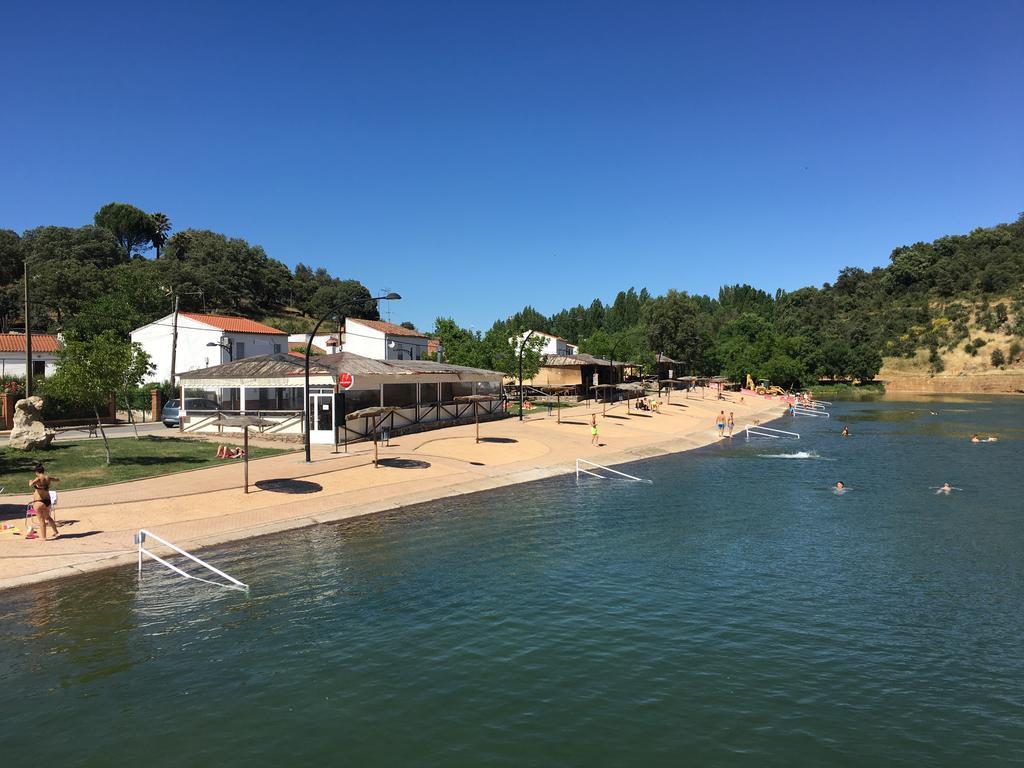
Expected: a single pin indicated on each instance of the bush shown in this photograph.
(1015, 350)
(970, 349)
(935, 361)
(979, 343)
(1001, 315)
(997, 358)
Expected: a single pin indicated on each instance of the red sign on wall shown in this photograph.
(345, 380)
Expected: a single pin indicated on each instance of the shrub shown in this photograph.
(970, 349)
(1015, 350)
(997, 358)
(1001, 315)
(935, 360)
(979, 342)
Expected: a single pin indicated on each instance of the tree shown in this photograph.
(90, 371)
(161, 229)
(408, 325)
(461, 346)
(133, 228)
(998, 358)
(68, 267)
(504, 342)
(11, 257)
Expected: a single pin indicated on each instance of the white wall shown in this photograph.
(319, 340)
(193, 336)
(13, 363)
(369, 342)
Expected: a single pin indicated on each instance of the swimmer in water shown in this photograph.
(845, 432)
(975, 439)
(946, 488)
(840, 487)
(989, 439)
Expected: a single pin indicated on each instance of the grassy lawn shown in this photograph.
(81, 464)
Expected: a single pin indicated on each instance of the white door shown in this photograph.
(321, 417)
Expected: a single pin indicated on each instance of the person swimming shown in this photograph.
(840, 488)
(989, 439)
(845, 432)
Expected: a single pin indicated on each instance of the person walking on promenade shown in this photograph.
(593, 429)
(720, 423)
(40, 485)
(731, 423)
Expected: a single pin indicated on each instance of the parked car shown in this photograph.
(169, 415)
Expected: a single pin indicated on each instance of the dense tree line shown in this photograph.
(90, 279)
(926, 297)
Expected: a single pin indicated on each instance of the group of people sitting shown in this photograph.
(647, 404)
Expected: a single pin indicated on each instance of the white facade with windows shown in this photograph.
(44, 354)
(379, 340)
(205, 340)
(553, 345)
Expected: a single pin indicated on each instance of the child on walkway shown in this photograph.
(593, 429)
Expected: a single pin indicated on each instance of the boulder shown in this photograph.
(29, 433)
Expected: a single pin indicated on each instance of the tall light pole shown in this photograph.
(309, 349)
(522, 349)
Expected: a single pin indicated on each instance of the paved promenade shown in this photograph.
(208, 506)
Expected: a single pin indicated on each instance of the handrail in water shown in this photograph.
(758, 431)
(140, 539)
(799, 410)
(606, 469)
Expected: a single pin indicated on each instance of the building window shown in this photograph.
(239, 350)
(277, 349)
(38, 367)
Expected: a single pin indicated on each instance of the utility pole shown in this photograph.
(174, 338)
(28, 340)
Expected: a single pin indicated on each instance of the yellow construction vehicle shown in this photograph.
(765, 387)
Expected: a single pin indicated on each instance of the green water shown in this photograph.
(734, 611)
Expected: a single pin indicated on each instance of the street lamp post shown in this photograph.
(309, 349)
(522, 349)
(225, 345)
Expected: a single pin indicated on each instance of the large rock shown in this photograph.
(29, 433)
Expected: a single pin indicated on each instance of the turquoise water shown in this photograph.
(733, 612)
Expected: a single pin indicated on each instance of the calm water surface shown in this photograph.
(733, 612)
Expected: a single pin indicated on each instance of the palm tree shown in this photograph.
(161, 228)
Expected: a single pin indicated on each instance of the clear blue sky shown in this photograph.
(427, 147)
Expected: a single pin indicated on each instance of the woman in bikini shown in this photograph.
(593, 429)
(40, 485)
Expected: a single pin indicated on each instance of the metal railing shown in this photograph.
(140, 539)
(579, 469)
(758, 431)
(799, 410)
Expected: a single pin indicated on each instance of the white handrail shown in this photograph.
(799, 410)
(757, 430)
(140, 539)
(607, 469)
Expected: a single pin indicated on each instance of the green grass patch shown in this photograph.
(848, 391)
(82, 464)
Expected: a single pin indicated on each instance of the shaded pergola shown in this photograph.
(669, 385)
(630, 387)
(476, 400)
(244, 422)
(605, 388)
(375, 417)
(558, 392)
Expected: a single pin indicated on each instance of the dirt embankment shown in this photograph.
(994, 383)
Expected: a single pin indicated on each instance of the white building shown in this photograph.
(44, 354)
(553, 345)
(378, 340)
(205, 340)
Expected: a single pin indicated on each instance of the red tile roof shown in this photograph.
(388, 328)
(41, 342)
(233, 324)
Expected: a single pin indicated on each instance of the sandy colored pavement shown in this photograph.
(205, 507)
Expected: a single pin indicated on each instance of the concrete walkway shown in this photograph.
(207, 506)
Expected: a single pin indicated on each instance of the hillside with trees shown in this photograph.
(927, 304)
(125, 268)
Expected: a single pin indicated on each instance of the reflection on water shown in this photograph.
(734, 611)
